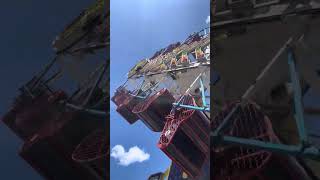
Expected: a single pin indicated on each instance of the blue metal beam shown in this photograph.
(297, 97)
(202, 93)
(252, 143)
(193, 107)
(295, 150)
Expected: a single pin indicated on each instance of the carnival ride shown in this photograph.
(266, 55)
(169, 93)
(61, 113)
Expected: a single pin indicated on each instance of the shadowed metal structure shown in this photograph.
(274, 68)
(68, 100)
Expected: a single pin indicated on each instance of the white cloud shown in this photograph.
(208, 20)
(135, 154)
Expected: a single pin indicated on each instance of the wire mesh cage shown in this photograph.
(236, 162)
(52, 161)
(56, 141)
(154, 109)
(185, 138)
(92, 152)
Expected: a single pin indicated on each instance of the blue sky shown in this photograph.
(138, 29)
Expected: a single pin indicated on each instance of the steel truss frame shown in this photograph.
(39, 80)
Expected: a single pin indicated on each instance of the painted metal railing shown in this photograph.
(204, 106)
